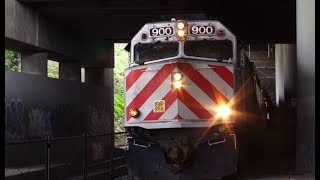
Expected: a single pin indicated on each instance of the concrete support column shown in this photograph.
(285, 57)
(34, 63)
(279, 74)
(70, 71)
(99, 76)
(289, 72)
(83, 75)
(94, 75)
(103, 77)
(98, 65)
(108, 77)
(305, 130)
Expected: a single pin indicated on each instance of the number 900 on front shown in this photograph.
(201, 30)
(193, 30)
(161, 31)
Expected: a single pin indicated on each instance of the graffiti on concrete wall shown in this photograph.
(24, 122)
(15, 122)
(98, 151)
(39, 122)
(31, 121)
(98, 124)
(98, 120)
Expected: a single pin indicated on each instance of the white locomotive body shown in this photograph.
(184, 94)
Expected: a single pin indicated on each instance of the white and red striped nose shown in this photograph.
(185, 90)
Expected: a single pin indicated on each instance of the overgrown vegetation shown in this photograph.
(12, 61)
(53, 69)
(121, 62)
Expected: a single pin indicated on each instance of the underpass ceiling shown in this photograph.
(253, 21)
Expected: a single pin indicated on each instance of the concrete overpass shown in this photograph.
(82, 33)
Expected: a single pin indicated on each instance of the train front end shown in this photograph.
(180, 101)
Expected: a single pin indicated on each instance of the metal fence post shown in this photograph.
(48, 158)
(84, 157)
(268, 50)
(111, 156)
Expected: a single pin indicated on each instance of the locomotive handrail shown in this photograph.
(140, 145)
(218, 142)
(234, 140)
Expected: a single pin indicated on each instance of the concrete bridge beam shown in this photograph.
(34, 63)
(99, 76)
(26, 29)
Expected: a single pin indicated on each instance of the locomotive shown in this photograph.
(186, 100)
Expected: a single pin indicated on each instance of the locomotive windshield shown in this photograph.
(220, 50)
(197, 40)
(152, 51)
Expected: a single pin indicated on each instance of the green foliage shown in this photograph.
(118, 106)
(121, 62)
(12, 61)
(53, 69)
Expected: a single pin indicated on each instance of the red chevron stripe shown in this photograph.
(202, 83)
(193, 105)
(133, 76)
(177, 117)
(149, 89)
(224, 73)
(169, 98)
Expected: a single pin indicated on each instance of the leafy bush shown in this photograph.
(121, 62)
(12, 61)
(53, 69)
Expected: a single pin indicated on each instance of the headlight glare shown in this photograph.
(177, 84)
(224, 111)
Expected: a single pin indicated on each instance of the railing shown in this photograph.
(260, 51)
(67, 157)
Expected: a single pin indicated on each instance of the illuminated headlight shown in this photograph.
(180, 25)
(181, 30)
(224, 111)
(134, 112)
(177, 84)
(181, 33)
(177, 80)
(177, 76)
